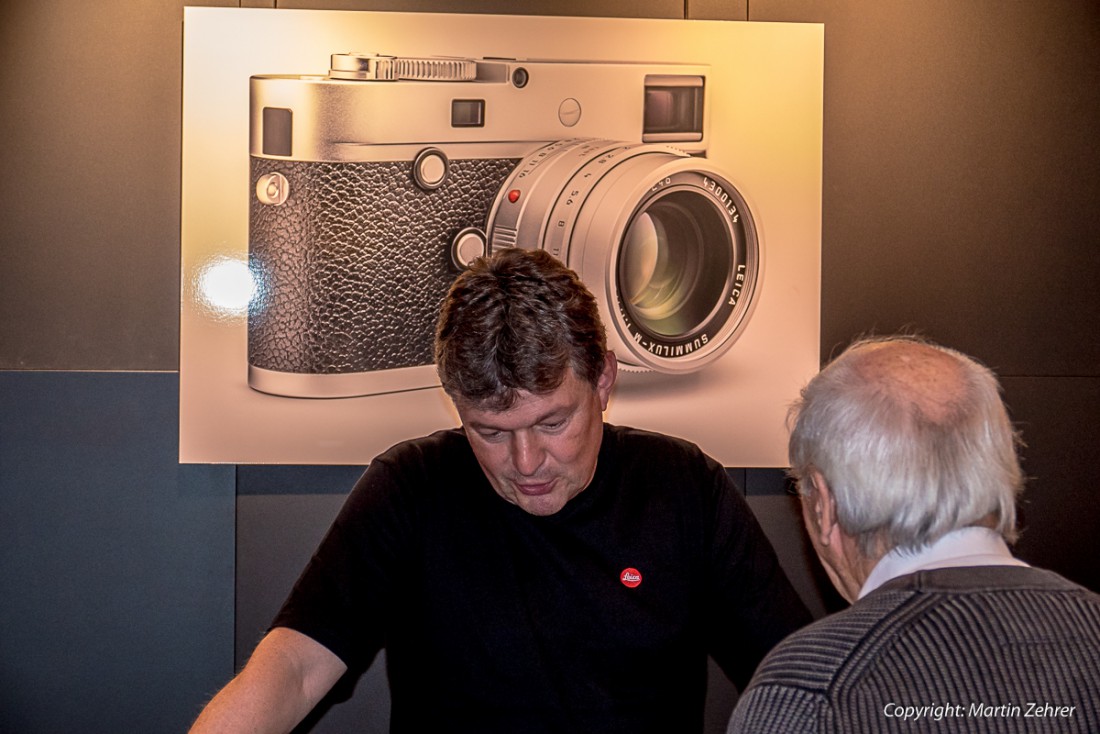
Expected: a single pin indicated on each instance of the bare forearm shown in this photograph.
(243, 706)
(286, 677)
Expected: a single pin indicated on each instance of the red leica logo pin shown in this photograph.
(630, 577)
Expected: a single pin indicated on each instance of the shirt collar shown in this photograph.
(973, 546)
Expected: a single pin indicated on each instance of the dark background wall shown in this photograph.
(961, 175)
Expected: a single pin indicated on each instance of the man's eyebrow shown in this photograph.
(480, 426)
(553, 414)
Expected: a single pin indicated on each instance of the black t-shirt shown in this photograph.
(495, 620)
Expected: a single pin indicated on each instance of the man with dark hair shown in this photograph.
(906, 463)
(517, 322)
(535, 570)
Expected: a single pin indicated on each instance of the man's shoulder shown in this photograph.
(450, 441)
(416, 473)
(441, 456)
(667, 465)
(814, 656)
(641, 442)
(923, 603)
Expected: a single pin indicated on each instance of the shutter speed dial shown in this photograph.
(373, 67)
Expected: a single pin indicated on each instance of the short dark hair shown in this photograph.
(515, 322)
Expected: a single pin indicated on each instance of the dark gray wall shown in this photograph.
(117, 563)
(961, 171)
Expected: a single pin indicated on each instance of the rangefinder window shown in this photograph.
(467, 113)
(673, 109)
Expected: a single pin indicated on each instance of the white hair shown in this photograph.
(908, 463)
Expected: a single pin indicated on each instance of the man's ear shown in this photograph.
(838, 551)
(822, 508)
(606, 380)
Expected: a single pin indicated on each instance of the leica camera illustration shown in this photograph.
(374, 185)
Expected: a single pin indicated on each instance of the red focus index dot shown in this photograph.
(513, 196)
(630, 577)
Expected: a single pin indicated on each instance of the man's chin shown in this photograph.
(540, 499)
(541, 505)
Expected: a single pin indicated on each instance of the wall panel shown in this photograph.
(595, 8)
(117, 570)
(1059, 514)
(962, 165)
(89, 267)
(717, 9)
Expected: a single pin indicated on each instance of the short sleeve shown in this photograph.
(345, 595)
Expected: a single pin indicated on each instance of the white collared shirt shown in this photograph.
(974, 546)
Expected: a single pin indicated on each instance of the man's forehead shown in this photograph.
(528, 407)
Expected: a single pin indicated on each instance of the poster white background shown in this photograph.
(765, 98)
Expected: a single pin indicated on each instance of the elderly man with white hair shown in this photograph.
(906, 465)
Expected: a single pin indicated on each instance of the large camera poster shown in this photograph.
(340, 168)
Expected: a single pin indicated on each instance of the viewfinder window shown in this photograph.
(467, 113)
(673, 108)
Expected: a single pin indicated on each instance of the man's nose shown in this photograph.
(527, 453)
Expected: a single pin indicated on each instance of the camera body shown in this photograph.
(373, 186)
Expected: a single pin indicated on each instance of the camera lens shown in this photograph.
(520, 77)
(665, 242)
(670, 279)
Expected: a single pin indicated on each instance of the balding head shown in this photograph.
(912, 375)
(913, 440)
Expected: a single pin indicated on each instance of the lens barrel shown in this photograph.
(664, 241)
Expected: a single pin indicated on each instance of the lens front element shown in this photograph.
(670, 277)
